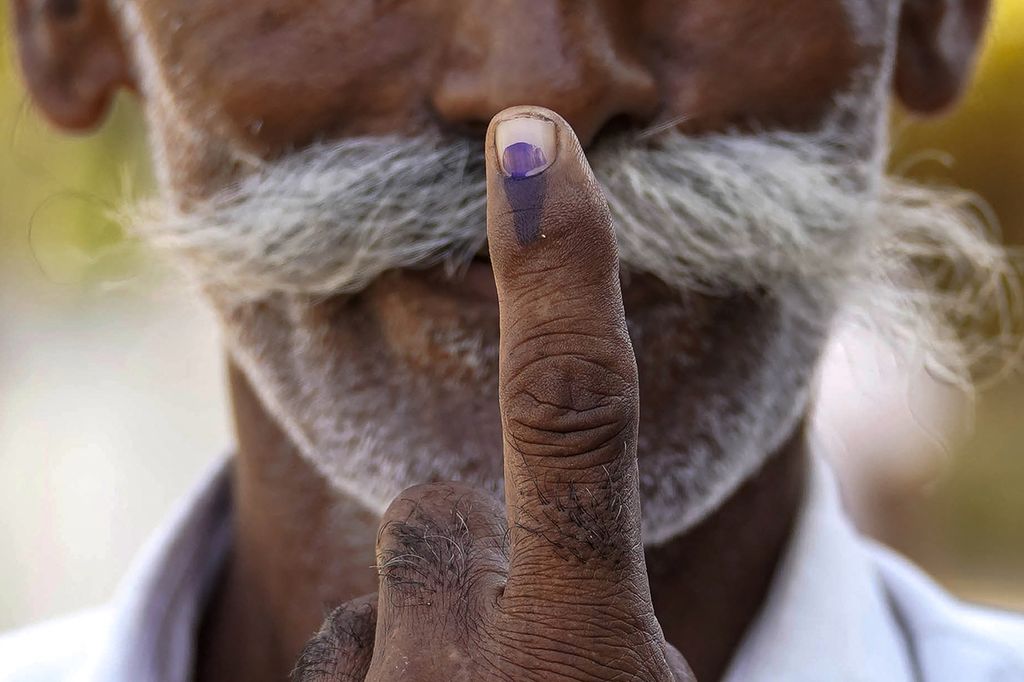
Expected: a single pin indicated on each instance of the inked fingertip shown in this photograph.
(526, 145)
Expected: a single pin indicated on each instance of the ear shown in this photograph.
(72, 57)
(938, 42)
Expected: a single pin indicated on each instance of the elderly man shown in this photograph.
(445, 305)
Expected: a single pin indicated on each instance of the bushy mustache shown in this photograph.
(808, 218)
(720, 212)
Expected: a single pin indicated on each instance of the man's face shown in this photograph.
(322, 174)
(388, 378)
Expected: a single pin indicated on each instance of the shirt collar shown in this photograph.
(826, 616)
(159, 605)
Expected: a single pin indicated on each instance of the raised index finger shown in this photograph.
(568, 379)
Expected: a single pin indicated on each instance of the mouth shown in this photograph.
(479, 277)
(472, 282)
(483, 255)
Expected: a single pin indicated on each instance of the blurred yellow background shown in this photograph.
(967, 525)
(111, 399)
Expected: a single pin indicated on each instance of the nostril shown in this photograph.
(617, 126)
(473, 129)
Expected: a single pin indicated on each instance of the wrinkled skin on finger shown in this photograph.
(552, 584)
(225, 83)
(443, 556)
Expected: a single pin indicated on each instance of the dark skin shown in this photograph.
(267, 76)
(684, 584)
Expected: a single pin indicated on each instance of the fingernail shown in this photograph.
(526, 146)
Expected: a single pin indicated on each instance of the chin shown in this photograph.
(397, 386)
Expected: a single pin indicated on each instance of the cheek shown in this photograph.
(274, 74)
(771, 61)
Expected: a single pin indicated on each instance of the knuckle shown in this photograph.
(570, 403)
(443, 505)
(342, 649)
(438, 539)
(588, 648)
(581, 524)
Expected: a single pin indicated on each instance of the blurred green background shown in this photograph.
(111, 399)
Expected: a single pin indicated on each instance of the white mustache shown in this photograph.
(724, 211)
(805, 217)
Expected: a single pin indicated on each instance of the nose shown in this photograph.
(559, 54)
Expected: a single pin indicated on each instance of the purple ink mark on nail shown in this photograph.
(523, 159)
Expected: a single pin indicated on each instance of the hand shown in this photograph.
(553, 586)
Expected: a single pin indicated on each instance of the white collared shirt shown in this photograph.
(840, 608)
